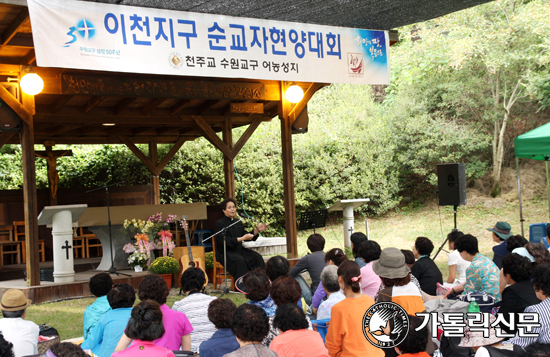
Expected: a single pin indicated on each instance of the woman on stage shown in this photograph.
(240, 260)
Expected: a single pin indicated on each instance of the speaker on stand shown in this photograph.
(451, 189)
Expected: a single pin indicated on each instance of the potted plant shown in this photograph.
(209, 265)
(138, 260)
(165, 267)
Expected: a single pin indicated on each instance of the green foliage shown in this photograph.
(164, 265)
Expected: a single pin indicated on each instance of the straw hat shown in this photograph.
(14, 300)
(502, 229)
(391, 264)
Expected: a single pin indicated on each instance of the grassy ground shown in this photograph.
(398, 229)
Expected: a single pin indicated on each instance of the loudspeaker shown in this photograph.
(9, 120)
(300, 124)
(451, 184)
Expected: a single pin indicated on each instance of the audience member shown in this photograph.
(370, 281)
(541, 284)
(520, 293)
(345, 331)
(100, 285)
(414, 345)
(481, 275)
(195, 306)
(144, 327)
(66, 349)
(108, 331)
(176, 325)
(409, 257)
(21, 333)
(6, 347)
(223, 341)
(329, 281)
(501, 232)
(312, 263)
(358, 238)
(284, 290)
(335, 256)
(425, 270)
(457, 265)
(538, 349)
(398, 287)
(514, 242)
(250, 325)
(295, 340)
(277, 266)
(257, 286)
(539, 252)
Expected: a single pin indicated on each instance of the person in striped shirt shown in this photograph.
(541, 284)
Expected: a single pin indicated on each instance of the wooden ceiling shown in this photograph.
(80, 107)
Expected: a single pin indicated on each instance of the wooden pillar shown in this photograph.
(29, 194)
(155, 179)
(288, 175)
(228, 167)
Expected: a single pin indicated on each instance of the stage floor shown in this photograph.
(50, 291)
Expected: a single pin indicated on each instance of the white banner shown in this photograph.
(104, 37)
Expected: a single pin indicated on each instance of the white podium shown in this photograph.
(347, 206)
(61, 220)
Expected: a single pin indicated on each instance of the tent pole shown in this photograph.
(519, 197)
(547, 186)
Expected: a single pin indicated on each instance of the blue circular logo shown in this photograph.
(85, 29)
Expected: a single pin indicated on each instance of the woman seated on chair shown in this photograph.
(195, 306)
(240, 260)
(108, 331)
(176, 325)
(145, 327)
(295, 340)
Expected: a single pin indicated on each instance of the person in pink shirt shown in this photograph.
(144, 327)
(370, 281)
(177, 326)
(295, 340)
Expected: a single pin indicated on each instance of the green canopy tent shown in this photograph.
(534, 144)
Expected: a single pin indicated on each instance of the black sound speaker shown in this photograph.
(451, 184)
(300, 124)
(9, 120)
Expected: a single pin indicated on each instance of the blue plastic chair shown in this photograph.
(537, 231)
(200, 234)
(321, 326)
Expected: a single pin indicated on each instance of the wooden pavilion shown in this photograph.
(92, 107)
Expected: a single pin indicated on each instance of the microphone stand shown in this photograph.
(224, 231)
(112, 269)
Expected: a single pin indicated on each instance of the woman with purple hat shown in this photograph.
(501, 232)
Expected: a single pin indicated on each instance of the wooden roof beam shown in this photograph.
(29, 58)
(92, 103)
(246, 135)
(5, 137)
(12, 29)
(64, 99)
(152, 105)
(211, 136)
(124, 104)
(298, 107)
(133, 148)
(174, 109)
(14, 104)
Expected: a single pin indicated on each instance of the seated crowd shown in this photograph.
(283, 309)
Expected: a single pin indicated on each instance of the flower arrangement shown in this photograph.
(138, 258)
(164, 265)
(155, 228)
